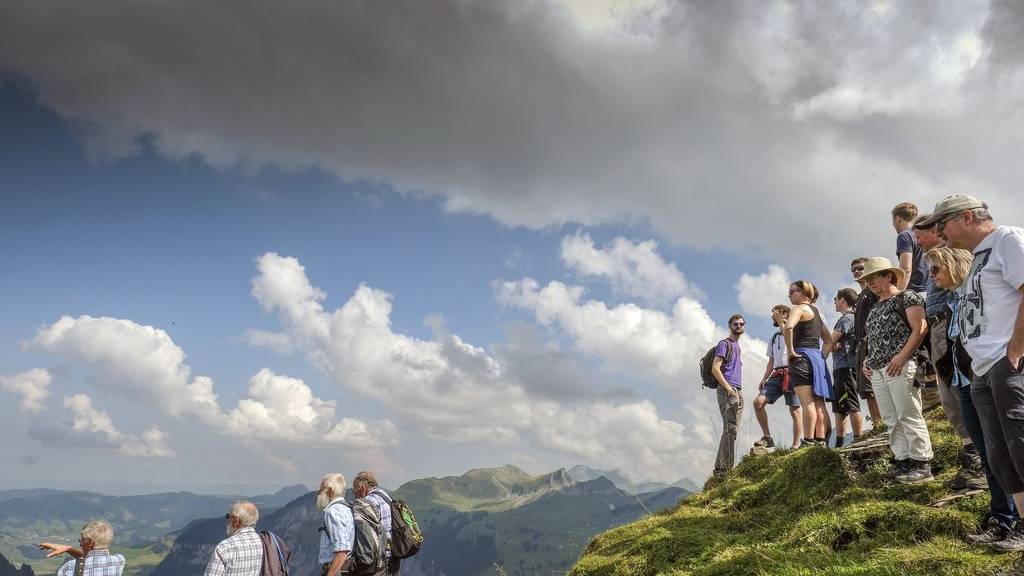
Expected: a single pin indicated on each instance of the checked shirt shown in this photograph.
(241, 554)
(97, 563)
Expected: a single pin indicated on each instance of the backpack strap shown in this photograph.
(79, 566)
(277, 546)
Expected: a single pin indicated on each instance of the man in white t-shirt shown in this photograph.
(991, 322)
(774, 384)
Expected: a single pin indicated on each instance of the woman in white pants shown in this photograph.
(895, 329)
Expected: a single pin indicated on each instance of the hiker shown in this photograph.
(895, 329)
(365, 485)
(729, 376)
(909, 253)
(775, 383)
(337, 535)
(991, 325)
(949, 267)
(865, 301)
(241, 553)
(971, 474)
(845, 402)
(94, 539)
(808, 372)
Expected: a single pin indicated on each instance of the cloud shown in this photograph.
(708, 122)
(280, 343)
(456, 392)
(143, 363)
(32, 386)
(757, 294)
(634, 269)
(140, 362)
(91, 427)
(284, 408)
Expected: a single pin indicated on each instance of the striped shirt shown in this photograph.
(241, 554)
(340, 530)
(97, 563)
(382, 501)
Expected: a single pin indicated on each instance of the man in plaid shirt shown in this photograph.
(241, 554)
(95, 540)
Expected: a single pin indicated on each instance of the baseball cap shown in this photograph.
(949, 205)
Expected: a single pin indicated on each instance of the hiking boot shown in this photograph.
(971, 475)
(765, 442)
(804, 443)
(993, 532)
(839, 442)
(1013, 541)
(899, 467)
(916, 472)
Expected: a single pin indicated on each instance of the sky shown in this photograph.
(245, 245)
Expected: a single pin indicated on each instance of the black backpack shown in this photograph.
(707, 378)
(406, 536)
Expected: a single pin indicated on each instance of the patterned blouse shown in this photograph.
(888, 329)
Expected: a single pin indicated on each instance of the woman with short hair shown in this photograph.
(895, 328)
(808, 372)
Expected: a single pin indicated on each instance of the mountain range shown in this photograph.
(472, 523)
(37, 515)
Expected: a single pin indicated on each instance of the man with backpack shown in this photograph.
(337, 535)
(365, 486)
(727, 371)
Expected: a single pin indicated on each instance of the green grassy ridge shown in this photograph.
(802, 512)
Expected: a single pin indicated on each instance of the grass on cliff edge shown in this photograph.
(809, 511)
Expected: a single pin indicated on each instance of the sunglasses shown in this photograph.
(941, 224)
(856, 268)
(935, 270)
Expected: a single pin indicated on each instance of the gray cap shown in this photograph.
(949, 205)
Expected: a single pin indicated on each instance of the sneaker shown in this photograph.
(1013, 541)
(804, 443)
(993, 532)
(916, 472)
(765, 442)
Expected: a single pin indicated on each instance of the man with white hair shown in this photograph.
(95, 538)
(337, 535)
(241, 553)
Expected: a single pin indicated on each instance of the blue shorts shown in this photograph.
(773, 391)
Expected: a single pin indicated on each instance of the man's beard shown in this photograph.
(322, 500)
(229, 530)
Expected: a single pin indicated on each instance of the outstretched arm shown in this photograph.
(58, 549)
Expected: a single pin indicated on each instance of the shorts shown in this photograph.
(800, 371)
(864, 386)
(844, 396)
(773, 390)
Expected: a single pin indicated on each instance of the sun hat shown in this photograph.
(947, 206)
(881, 264)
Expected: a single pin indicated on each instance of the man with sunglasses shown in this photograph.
(865, 301)
(729, 375)
(971, 474)
(990, 318)
(94, 557)
(241, 553)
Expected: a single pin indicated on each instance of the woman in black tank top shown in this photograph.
(805, 330)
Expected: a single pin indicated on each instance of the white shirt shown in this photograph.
(990, 297)
(777, 351)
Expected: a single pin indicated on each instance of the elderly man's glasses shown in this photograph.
(856, 268)
(941, 224)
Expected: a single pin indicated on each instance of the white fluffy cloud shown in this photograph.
(457, 392)
(284, 408)
(89, 424)
(33, 386)
(143, 363)
(757, 294)
(708, 121)
(634, 269)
